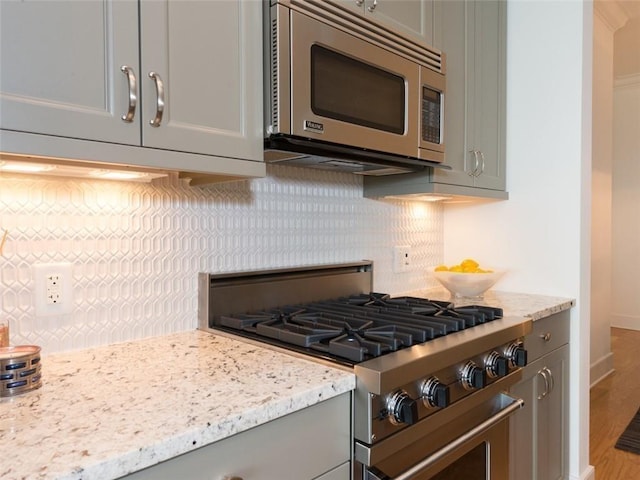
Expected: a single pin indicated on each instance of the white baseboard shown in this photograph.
(630, 322)
(588, 474)
(601, 369)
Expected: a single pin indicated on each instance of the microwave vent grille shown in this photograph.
(274, 74)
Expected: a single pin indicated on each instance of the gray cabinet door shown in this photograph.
(208, 57)
(539, 447)
(411, 17)
(487, 99)
(61, 67)
(472, 35)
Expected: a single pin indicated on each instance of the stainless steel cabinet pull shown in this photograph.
(159, 99)
(543, 374)
(552, 382)
(133, 97)
(231, 478)
(373, 6)
(481, 164)
(472, 173)
(546, 336)
(359, 2)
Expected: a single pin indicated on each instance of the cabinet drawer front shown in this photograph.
(548, 334)
(303, 445)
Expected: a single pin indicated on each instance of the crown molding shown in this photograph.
(611, 13)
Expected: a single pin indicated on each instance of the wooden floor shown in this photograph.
(614, 401)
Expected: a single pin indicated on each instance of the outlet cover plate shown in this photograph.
(63, 290)
(401, 258)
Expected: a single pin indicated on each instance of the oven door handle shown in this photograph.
(460, 441)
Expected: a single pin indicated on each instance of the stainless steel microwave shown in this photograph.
(344, 93)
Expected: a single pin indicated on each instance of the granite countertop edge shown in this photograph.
(108, 411)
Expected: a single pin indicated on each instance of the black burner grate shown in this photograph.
(357, 328)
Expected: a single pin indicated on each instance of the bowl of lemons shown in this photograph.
(467, 278)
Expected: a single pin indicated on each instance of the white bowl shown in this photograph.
(468, 284)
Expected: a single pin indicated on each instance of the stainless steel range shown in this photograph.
(431, 399)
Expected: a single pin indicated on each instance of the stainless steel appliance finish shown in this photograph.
(343, 93)
(421, 403)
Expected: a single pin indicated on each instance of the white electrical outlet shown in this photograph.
(401, 258)
(53, 289)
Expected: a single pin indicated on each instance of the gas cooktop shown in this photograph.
(359, 327)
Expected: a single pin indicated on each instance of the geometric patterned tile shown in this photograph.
(136, 249)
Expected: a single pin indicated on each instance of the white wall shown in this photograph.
(542, 233)
(601, 253)
(626, 200)
(626, 177)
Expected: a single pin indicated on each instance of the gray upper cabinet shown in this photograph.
(411, 17)
(179, 83)
(60, 70)
(472, 36)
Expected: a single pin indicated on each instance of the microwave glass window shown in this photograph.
(431, 112)
(346, 89)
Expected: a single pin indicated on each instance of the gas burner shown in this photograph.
(359, 327)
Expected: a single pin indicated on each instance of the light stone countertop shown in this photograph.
(513, 304)
(108, 411)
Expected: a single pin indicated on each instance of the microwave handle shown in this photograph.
(515, 405)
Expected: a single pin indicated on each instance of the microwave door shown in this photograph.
(349, 91)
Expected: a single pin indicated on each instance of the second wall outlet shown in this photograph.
(401, 258)
(53, 289)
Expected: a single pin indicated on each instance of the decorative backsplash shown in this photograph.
(136, 249)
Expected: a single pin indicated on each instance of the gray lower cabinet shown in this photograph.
(151, 83)
(538, 432)
(472, 35)
(313, 443)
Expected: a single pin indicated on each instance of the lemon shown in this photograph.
(469, 263)
(441, 268)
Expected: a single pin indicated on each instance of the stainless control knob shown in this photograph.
(496, 365)
(516, 354)
(402, 408)
(472, 376)
(434, 393)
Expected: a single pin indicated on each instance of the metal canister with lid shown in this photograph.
(20, 369)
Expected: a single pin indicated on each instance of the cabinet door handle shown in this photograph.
(373, 6)
(546, 336)
(133, 97)
(472, 173)
(232, 477)
(481, 164)
(552, 382)
(159, 99)
(359, 3)
(543, 374)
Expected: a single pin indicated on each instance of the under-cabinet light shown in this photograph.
(20, 167)
(65, 169)
(118, 175)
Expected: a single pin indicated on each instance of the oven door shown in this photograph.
(349, 91)
(470, 441)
